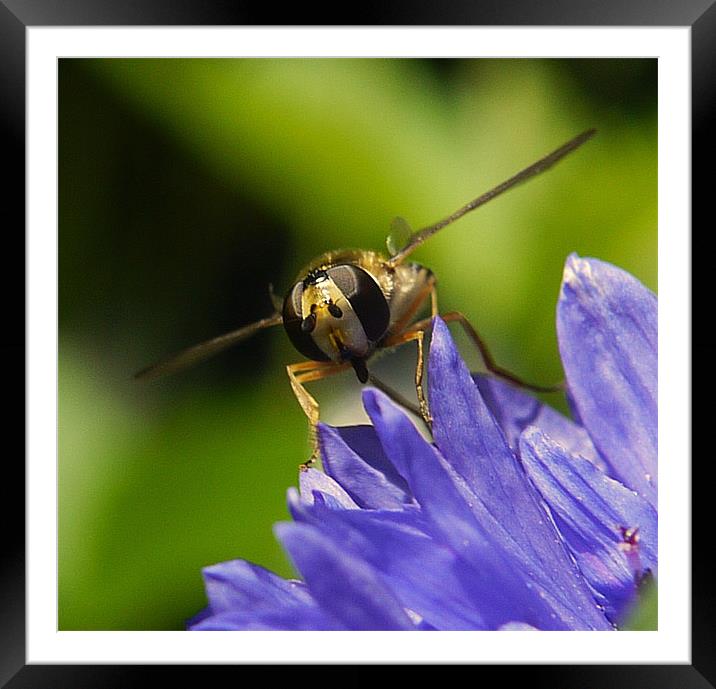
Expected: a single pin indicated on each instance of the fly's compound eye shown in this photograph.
(298, 328)
(365, 297)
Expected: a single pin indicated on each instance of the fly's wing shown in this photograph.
(415, 239)
(399, 235)
(204, 350)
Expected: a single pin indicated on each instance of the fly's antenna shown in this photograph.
(419, 236)
(204, 350)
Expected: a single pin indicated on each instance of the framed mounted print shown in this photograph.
(345, 330)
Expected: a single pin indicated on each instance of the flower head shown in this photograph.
(515, 517)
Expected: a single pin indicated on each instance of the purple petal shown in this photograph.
(512, 585)
(427, 577)
(193, 622)
(514, 410)
(245, 596)
(594, 512)
(280, 618)
(241, 584)
(466, 432)
(312, 481)
(365, 443)
(472, 442)
(369, 487)
(345, 586)
(607, 331)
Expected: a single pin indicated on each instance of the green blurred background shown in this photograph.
(187, 186)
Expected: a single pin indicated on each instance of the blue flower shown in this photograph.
(515, 517)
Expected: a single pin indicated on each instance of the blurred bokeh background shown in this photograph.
(188, 185)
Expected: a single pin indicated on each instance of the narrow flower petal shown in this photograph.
(312, 480)
(427, 577)
(546, 592)
(595, 513)
(243, 595)
(468, 436)
(241, 584)
(365, 443)
(607, 330)
(369, 487)
(515, 410)
(279, 618)
(345, 586)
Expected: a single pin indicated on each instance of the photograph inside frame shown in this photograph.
(315, 472)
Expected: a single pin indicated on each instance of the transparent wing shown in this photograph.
(418, 237)
(399, 235)
(204, 350)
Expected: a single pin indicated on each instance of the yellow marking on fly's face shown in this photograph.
(337, 339)
(333, 335)
(318, 295)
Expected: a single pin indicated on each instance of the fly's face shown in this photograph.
(336, 313)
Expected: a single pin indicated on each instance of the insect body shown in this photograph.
(347, 304)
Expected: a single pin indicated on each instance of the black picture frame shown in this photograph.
(17, 15)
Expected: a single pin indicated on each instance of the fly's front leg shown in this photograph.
(487, 358)
(418, 336)
(307, 372)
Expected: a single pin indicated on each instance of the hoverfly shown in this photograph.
(347, 304)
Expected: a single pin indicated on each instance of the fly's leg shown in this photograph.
(307, 372)
(489, 361)
(418, 336)
(416, 332)
(433, 302)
